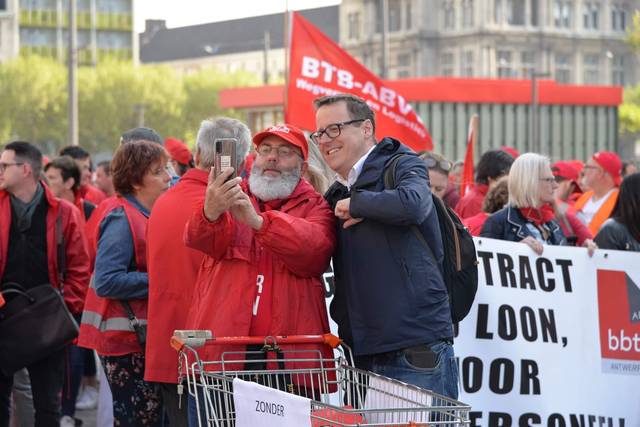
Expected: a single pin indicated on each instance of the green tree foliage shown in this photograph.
(33, 101)
(629, 111)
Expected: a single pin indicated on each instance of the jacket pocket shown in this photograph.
(409, 289)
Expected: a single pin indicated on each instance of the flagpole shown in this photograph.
(286, 54)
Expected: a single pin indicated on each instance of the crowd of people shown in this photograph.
(157, 240)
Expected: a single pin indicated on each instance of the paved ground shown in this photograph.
(88, 417)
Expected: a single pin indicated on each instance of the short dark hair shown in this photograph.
(141, 133)
(68, 169)
(131, 163)
(106, 165)
(357, 107)
(493, 164)
(28, 153)
(75, 152)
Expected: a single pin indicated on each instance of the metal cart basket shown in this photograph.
(341, 395)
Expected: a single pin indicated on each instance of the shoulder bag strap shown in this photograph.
(62, 260)
(389, 178)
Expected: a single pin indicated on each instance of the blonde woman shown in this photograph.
(319, 175)
(529, 217)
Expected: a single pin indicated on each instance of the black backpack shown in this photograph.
(460, 263)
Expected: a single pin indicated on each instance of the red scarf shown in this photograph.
(539, 216)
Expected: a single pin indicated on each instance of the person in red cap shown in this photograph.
(267, 242)
(511, 151)
(571, 221)
(602, 177)
(181, 158)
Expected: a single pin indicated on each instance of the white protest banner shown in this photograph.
(552, 340)
(257, 405)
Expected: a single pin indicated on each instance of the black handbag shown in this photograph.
(35, 323)
(139, 328)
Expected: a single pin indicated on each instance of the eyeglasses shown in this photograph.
(332, 131)
(444, 165)
(3, 166)
(283, 152)
(586, 166)
(549, 180)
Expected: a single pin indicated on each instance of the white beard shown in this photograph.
(266, 188)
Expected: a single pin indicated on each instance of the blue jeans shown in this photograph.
(442, 380)
(72, 378)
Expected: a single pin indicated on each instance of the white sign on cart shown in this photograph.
(257, 405)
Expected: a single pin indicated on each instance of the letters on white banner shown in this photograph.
(551, 340)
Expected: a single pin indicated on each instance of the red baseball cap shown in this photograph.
(290, 134)
(611, 163)
(565, 170)
(577, 164)
(511, 151)
(179, 152)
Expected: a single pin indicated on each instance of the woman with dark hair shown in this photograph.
(496, 199)
(622, 230)
(116, 307)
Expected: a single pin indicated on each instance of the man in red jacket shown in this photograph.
(173, 267)
(28, 257)
(88, 192)
(268, 240)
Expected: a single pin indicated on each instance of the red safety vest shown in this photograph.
(105, 326)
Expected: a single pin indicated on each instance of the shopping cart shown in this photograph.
(362, 398)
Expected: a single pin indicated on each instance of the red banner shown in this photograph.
(319, 67)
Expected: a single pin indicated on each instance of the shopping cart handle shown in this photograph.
(204, 338)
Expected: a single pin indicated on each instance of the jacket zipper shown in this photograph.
(455, 237)
(406, 268)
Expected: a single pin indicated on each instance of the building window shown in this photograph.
(498, 10)
(591, 69)
(409, 13)
(354, 25)
(515, 12)
(403, 67)
(467, 13)
(534, 13)
(618, 17)
(3, 4)
(563, 68)
(467, 63)
(585, 15)
(395, 18)
(595, 16)
(562, 14)
(528, 63)
(449, 15)
(447, 64)
(618, 71)
(504, 65)
(379, 17)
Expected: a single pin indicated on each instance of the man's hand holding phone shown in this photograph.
(221, 195)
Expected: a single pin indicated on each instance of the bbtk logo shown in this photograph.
(619, 315)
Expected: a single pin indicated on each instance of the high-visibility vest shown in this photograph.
(105, 326)
(603, 213)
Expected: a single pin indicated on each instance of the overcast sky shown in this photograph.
(192, 12)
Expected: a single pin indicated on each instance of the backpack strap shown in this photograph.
(62, 260)
(389, 178)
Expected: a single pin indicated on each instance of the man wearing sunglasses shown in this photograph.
(391, 304)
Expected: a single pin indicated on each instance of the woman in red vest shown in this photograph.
(117, 304)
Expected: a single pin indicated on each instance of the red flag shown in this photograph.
(319, 67)
(467, 169)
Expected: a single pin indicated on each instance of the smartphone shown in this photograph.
(226, 149)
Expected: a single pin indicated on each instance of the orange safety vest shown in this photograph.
(105, 326)
(603, 213)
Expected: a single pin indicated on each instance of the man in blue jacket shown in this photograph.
(391, 305)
